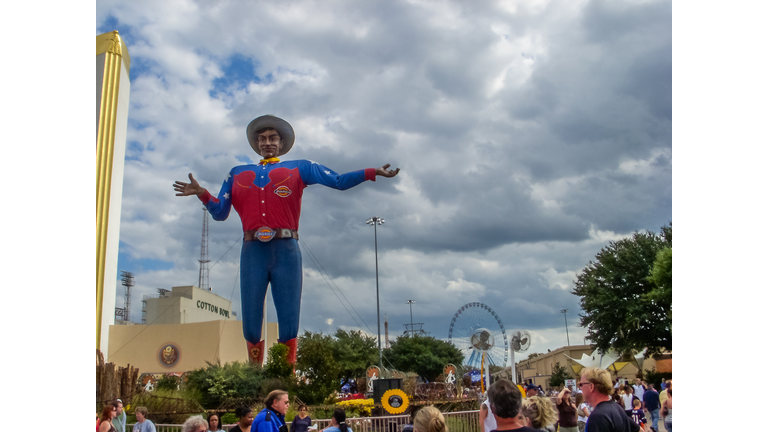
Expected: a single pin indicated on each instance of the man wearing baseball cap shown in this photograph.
(267, 196)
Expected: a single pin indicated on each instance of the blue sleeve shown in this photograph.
(220, 207)
(314, 173)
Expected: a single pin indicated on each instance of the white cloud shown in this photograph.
(559, 280)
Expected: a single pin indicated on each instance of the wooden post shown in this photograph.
(109, 382)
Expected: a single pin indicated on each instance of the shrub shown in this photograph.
(214, 383)
(229, 418)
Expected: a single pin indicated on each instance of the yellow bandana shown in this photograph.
(270, 160)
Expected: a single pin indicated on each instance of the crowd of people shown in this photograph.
(596, 405)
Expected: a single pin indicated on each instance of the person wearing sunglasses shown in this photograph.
(108, 415)
(607, 416)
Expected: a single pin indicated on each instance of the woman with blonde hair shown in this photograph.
(539, 412)
(429, 419)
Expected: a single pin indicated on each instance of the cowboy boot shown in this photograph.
(256, 352)
(291, 344)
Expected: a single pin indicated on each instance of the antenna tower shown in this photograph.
(202, 280)
(125, 312)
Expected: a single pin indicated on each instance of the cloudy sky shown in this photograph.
(528, 134)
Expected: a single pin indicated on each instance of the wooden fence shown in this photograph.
(114, 383)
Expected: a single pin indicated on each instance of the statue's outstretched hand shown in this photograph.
(186, 189)
(384, 172)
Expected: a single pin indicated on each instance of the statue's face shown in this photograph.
(270, 143)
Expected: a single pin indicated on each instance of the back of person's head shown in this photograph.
(579, 399)
(600, 378)
(627, 389)
(193, 424)
(242, 412)
(636, 403)
(415, 410)
(341, 418)
(505, 399)
(540, 411)
(429, 419)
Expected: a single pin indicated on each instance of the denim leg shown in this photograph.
(254, 277)
(286, 280)
(655, 418)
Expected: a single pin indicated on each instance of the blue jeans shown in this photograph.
(277, 262)
(654, 418)
(668, 426)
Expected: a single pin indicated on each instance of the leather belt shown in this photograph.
(265, 234)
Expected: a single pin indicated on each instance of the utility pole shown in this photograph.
(377, 221)
(565, 312)
(202, 279)
(410, 304)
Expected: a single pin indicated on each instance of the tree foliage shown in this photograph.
(424, 355)
(319, 369)
(622, 303)
(559, 375)
(354, 351)
(214, 383)
(277, 362)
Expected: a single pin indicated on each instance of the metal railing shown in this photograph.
(464, 421)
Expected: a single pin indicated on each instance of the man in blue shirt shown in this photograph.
(651, 399)
(272, 418)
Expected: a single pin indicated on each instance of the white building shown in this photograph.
(184, 305)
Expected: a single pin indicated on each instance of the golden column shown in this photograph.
(112, 89)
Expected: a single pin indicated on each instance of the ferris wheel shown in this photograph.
(477, 330)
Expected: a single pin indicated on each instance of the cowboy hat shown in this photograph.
(269, 121)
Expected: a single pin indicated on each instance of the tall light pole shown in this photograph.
(565, 312)
(377, 221)
(410, 303)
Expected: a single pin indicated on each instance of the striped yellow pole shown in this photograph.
(112, 46)
(482, 366)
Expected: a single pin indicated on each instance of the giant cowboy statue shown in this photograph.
(267, 196)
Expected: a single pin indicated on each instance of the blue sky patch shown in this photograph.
(244, 159)
(127, 263)
(239, 71)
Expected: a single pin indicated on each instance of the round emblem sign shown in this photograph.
(169, 355)
(395, 401)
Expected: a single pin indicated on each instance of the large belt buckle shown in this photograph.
(285, 233)
(265, 234)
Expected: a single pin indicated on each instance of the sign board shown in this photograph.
(570, 382)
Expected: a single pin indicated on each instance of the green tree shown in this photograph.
(321, 374)
(354, 351)
(614, 291)
(277, 362)
(211, 385)
(168, 382)
(424, 355)
(559, 375)
(661, 276)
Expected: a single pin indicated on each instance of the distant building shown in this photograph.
(537, 370)
(182, 329)
(184, 305)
